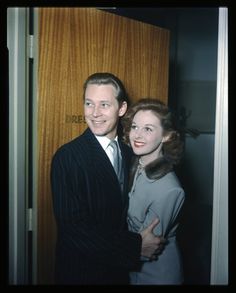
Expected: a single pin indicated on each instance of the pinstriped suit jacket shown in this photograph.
(93, 243)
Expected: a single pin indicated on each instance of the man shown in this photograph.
(90, 203)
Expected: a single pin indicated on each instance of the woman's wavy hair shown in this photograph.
(172, 148)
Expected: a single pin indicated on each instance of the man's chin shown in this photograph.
(99, 132)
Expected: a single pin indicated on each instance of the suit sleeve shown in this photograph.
(78, 232)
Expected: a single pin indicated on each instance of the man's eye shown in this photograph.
(105, 105)
(88, 104)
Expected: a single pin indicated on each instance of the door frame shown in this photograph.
(22, 220)
(219, 249)
(17, 19)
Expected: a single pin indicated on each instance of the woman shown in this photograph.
(155, 190)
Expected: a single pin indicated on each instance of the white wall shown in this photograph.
(219, 261)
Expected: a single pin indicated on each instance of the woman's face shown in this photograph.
(146, 135)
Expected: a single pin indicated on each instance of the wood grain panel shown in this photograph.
(74, 43)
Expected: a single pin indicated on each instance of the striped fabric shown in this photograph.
(93, 245)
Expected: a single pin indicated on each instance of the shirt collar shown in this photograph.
(104, 141)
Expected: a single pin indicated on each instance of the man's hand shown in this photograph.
(151, 245)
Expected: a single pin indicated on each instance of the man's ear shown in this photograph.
(123, 109)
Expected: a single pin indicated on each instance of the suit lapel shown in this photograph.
(100, 160)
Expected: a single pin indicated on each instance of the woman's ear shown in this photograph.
(166, 137)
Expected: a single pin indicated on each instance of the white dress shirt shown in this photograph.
(104, 142)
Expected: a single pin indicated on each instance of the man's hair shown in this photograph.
(106, 78)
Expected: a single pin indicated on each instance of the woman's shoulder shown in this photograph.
(169, 182)
(171, 176)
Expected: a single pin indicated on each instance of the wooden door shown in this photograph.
(74, 43)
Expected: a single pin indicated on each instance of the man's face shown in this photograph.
(101, 110)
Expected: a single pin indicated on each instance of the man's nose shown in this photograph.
(96, 111)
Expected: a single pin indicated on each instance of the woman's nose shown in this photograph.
(138, 133)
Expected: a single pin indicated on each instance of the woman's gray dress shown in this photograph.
(162, 198)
